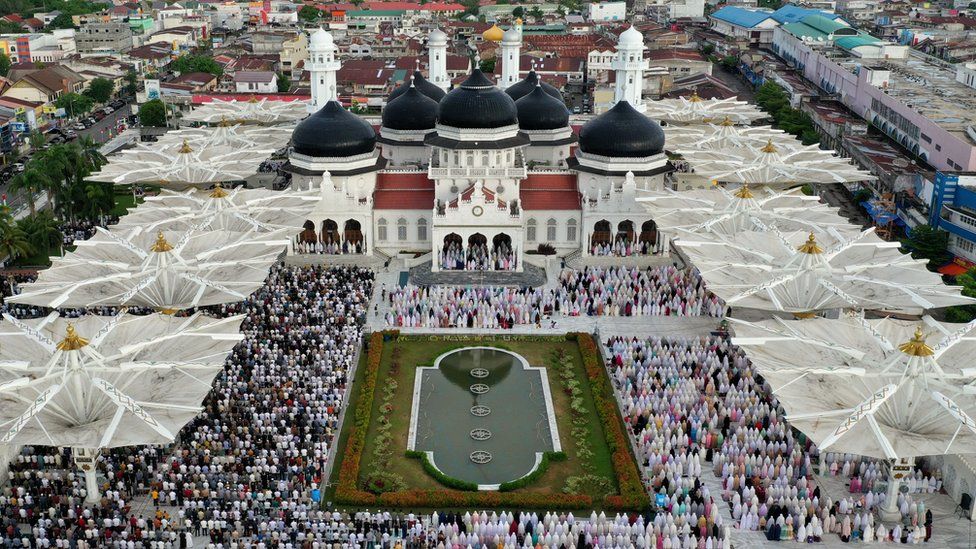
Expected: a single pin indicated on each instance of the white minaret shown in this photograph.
(630, 66)
(511, 55)
(437, 63)
(323, 65)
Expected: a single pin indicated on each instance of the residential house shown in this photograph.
(150, 57)
(679, 62)
(47, 84)
(255, 82)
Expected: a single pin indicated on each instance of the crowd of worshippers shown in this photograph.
(247, 466)
(83, 229)
(593, 291)
(330, 247)
(477, 257)
(623, 247)
(691, 402)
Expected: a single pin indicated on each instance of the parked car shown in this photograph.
(117, 103)
(70, 134)
(98, 115)
(108, 110)
(78, 127)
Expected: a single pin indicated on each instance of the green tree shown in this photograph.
(131, 83)
(928, 242)
(4, 64)
(707, 49)
(153, 114)
(90, 156)
(309, 13)
(519, 11)
(7, 27)
(100, 89)
(487, 65)
(42, 231)
(13, 242)
(62, 21)
(36, 139)
(74, 103)
(730, 63)
(284, 83)
(536, 13)
(964, 313)
(32, 180)
(197, 63)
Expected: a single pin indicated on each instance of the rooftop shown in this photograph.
(933, 91)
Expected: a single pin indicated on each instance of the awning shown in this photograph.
(952, 269)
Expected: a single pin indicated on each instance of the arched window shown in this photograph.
(530, 230)
(551, 230)
(422, 229)
(401, 229)
(381, 229)
(571, 230)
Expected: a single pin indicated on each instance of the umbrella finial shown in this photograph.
(185, 148)
(743, 192)
(161, 245)
(695, 98)
(727, 121)
(224, 123)
(72, 341)
(916, 345)
(218, 191)
(810, 246)
(769, 147)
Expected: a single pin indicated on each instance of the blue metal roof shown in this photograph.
(792, 14)
(741, 16)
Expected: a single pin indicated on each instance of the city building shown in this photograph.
(255, 82)
(104, 37)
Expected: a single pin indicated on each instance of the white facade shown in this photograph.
(607, 11)
(510, 48)
(437, 61)
(630, 66)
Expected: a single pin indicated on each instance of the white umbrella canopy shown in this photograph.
(695, 110)
(236, 209)
(103, 382)
(802, 273)
(880, 388)
(729, 212)
(263, 112)
(721, 135)
(163, 270)
(181, 167)
(236, 136)
(774, 163)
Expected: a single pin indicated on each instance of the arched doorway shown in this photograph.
(648, 237)
(308, 232)
(625, 231)
(601, 232)
(353, 233)
(452, 254)
(477, 239)
(330, 232)
(478, 255)
(503, 254)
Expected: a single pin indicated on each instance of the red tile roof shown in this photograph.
(549, 192)
(403, 191)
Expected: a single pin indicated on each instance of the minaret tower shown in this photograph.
(437, 63)
(323, 65)
(630, 66)
(511, 56)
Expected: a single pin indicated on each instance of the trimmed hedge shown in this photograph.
(632, 495)
(534, 475)
(440, 477)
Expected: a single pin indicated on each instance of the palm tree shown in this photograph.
(13, 242)
(61, 163)
(30, 181)
(91, 156)
(42, 231)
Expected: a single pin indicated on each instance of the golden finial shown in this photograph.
(161, 245)
(72, 341)
(253, 99)
(185, 148)
(804, 315)
(518, 20)
(727, 121)
(768, 147)
(695, 98)
(743, 191)
(224, 123)
(916, 345)
(218, 192)
(810, 246)
(167, 311)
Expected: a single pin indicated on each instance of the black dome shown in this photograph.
(622, 132)
(525, 86)
(333, 131)
(425, 86)
(540, 111)
(411, 110)
(477, 103)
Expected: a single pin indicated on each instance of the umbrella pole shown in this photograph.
(85, 459)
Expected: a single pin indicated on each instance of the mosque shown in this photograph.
(481, 175)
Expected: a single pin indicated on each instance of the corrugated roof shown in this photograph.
(741, 16)
(794, 14)
(851, 42)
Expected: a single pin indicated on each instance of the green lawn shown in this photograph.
(40, 258)
(414, 352)
(123, 203)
